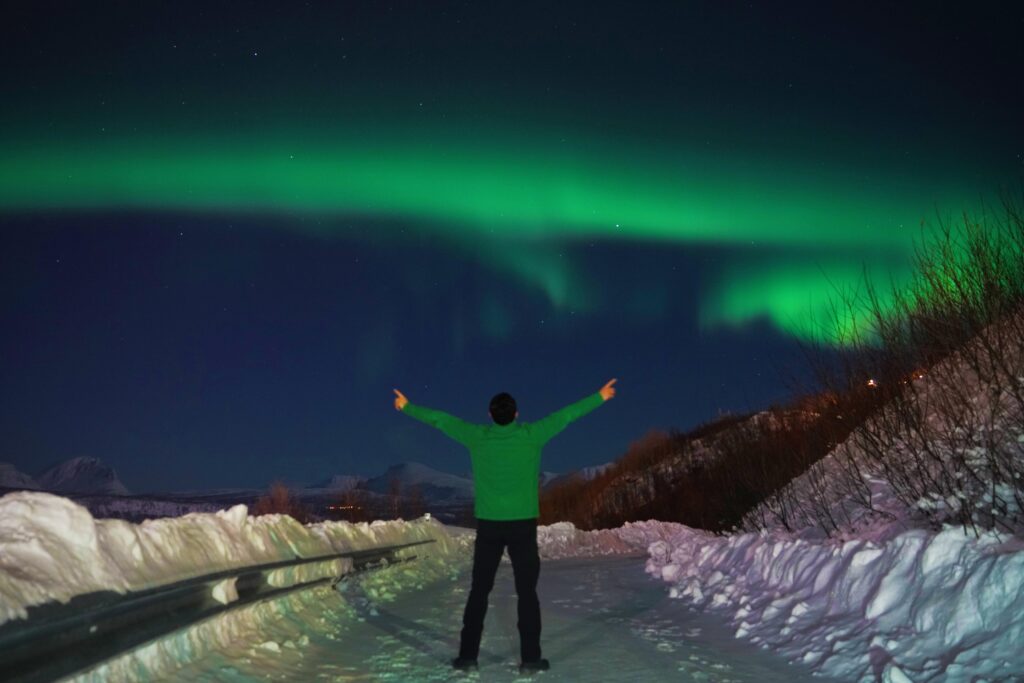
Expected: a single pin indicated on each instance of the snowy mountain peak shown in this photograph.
(339, 482)
(82, 475)
(12, 478)
(548, 477)
(552, 479)
(593, 471)
(427, 479)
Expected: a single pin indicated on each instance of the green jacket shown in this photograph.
(505, 458)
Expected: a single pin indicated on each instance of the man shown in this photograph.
(506, 470)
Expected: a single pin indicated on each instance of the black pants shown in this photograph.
(492, 537)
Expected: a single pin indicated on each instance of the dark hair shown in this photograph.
(503, 408)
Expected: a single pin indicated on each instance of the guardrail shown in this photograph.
(59, 640)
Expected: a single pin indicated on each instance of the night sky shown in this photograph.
(228, 230)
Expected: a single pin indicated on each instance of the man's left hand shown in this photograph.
(607, 391)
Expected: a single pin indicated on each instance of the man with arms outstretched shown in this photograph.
(506, 470)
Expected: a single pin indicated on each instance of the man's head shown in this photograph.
(503, 408)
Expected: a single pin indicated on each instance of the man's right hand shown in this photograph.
(608, 391)
(400, 400)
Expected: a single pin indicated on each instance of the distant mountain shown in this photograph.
(82, 475)
(339, 482)
(12, 478)
(434, 486)
(593, 471)
(215, 493)
(548, 477)
(587, 473)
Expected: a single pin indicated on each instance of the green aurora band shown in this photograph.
(514, 202)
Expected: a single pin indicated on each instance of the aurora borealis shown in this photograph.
(512, 196)
(681, 180)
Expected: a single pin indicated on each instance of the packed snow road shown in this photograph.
(604, 620)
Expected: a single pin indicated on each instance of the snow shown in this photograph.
(931, 606)
(604, 620)
(843, 574)
(52, 548)
(914, 605)
(547, 477)
(919, 606)
(599, 598)
(926, 605)
(563, 539)
(552, 479)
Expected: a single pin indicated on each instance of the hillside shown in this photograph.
(710, 476)
(947, 448)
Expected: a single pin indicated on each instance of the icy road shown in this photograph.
(604, 620)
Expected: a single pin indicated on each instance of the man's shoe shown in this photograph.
(537, 665)
(464, 664)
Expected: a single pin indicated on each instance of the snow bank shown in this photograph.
(51, 548)
(563, 539)
(920, 606)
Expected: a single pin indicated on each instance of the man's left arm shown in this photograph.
(554, 423)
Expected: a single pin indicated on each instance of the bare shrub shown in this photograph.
(948, 350)
(280, 501)
(414, 504)
(709, 482)
(395, 497)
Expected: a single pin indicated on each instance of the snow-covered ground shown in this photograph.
(885, 598)
(842, 572)
(920, 606)
(913, 605)
(604, 620)
(899, 605)
(603, 615)
(51, 548)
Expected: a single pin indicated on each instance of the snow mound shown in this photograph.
(82, 475)
(921, 606)
(12, 478)
(51, 548)
(563, 539)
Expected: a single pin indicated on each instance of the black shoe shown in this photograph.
(464, 664)
(536, 665)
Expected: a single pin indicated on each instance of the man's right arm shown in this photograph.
(554, 423)
(453, 427)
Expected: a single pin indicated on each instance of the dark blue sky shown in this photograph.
(195, 330)
(211, 352)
